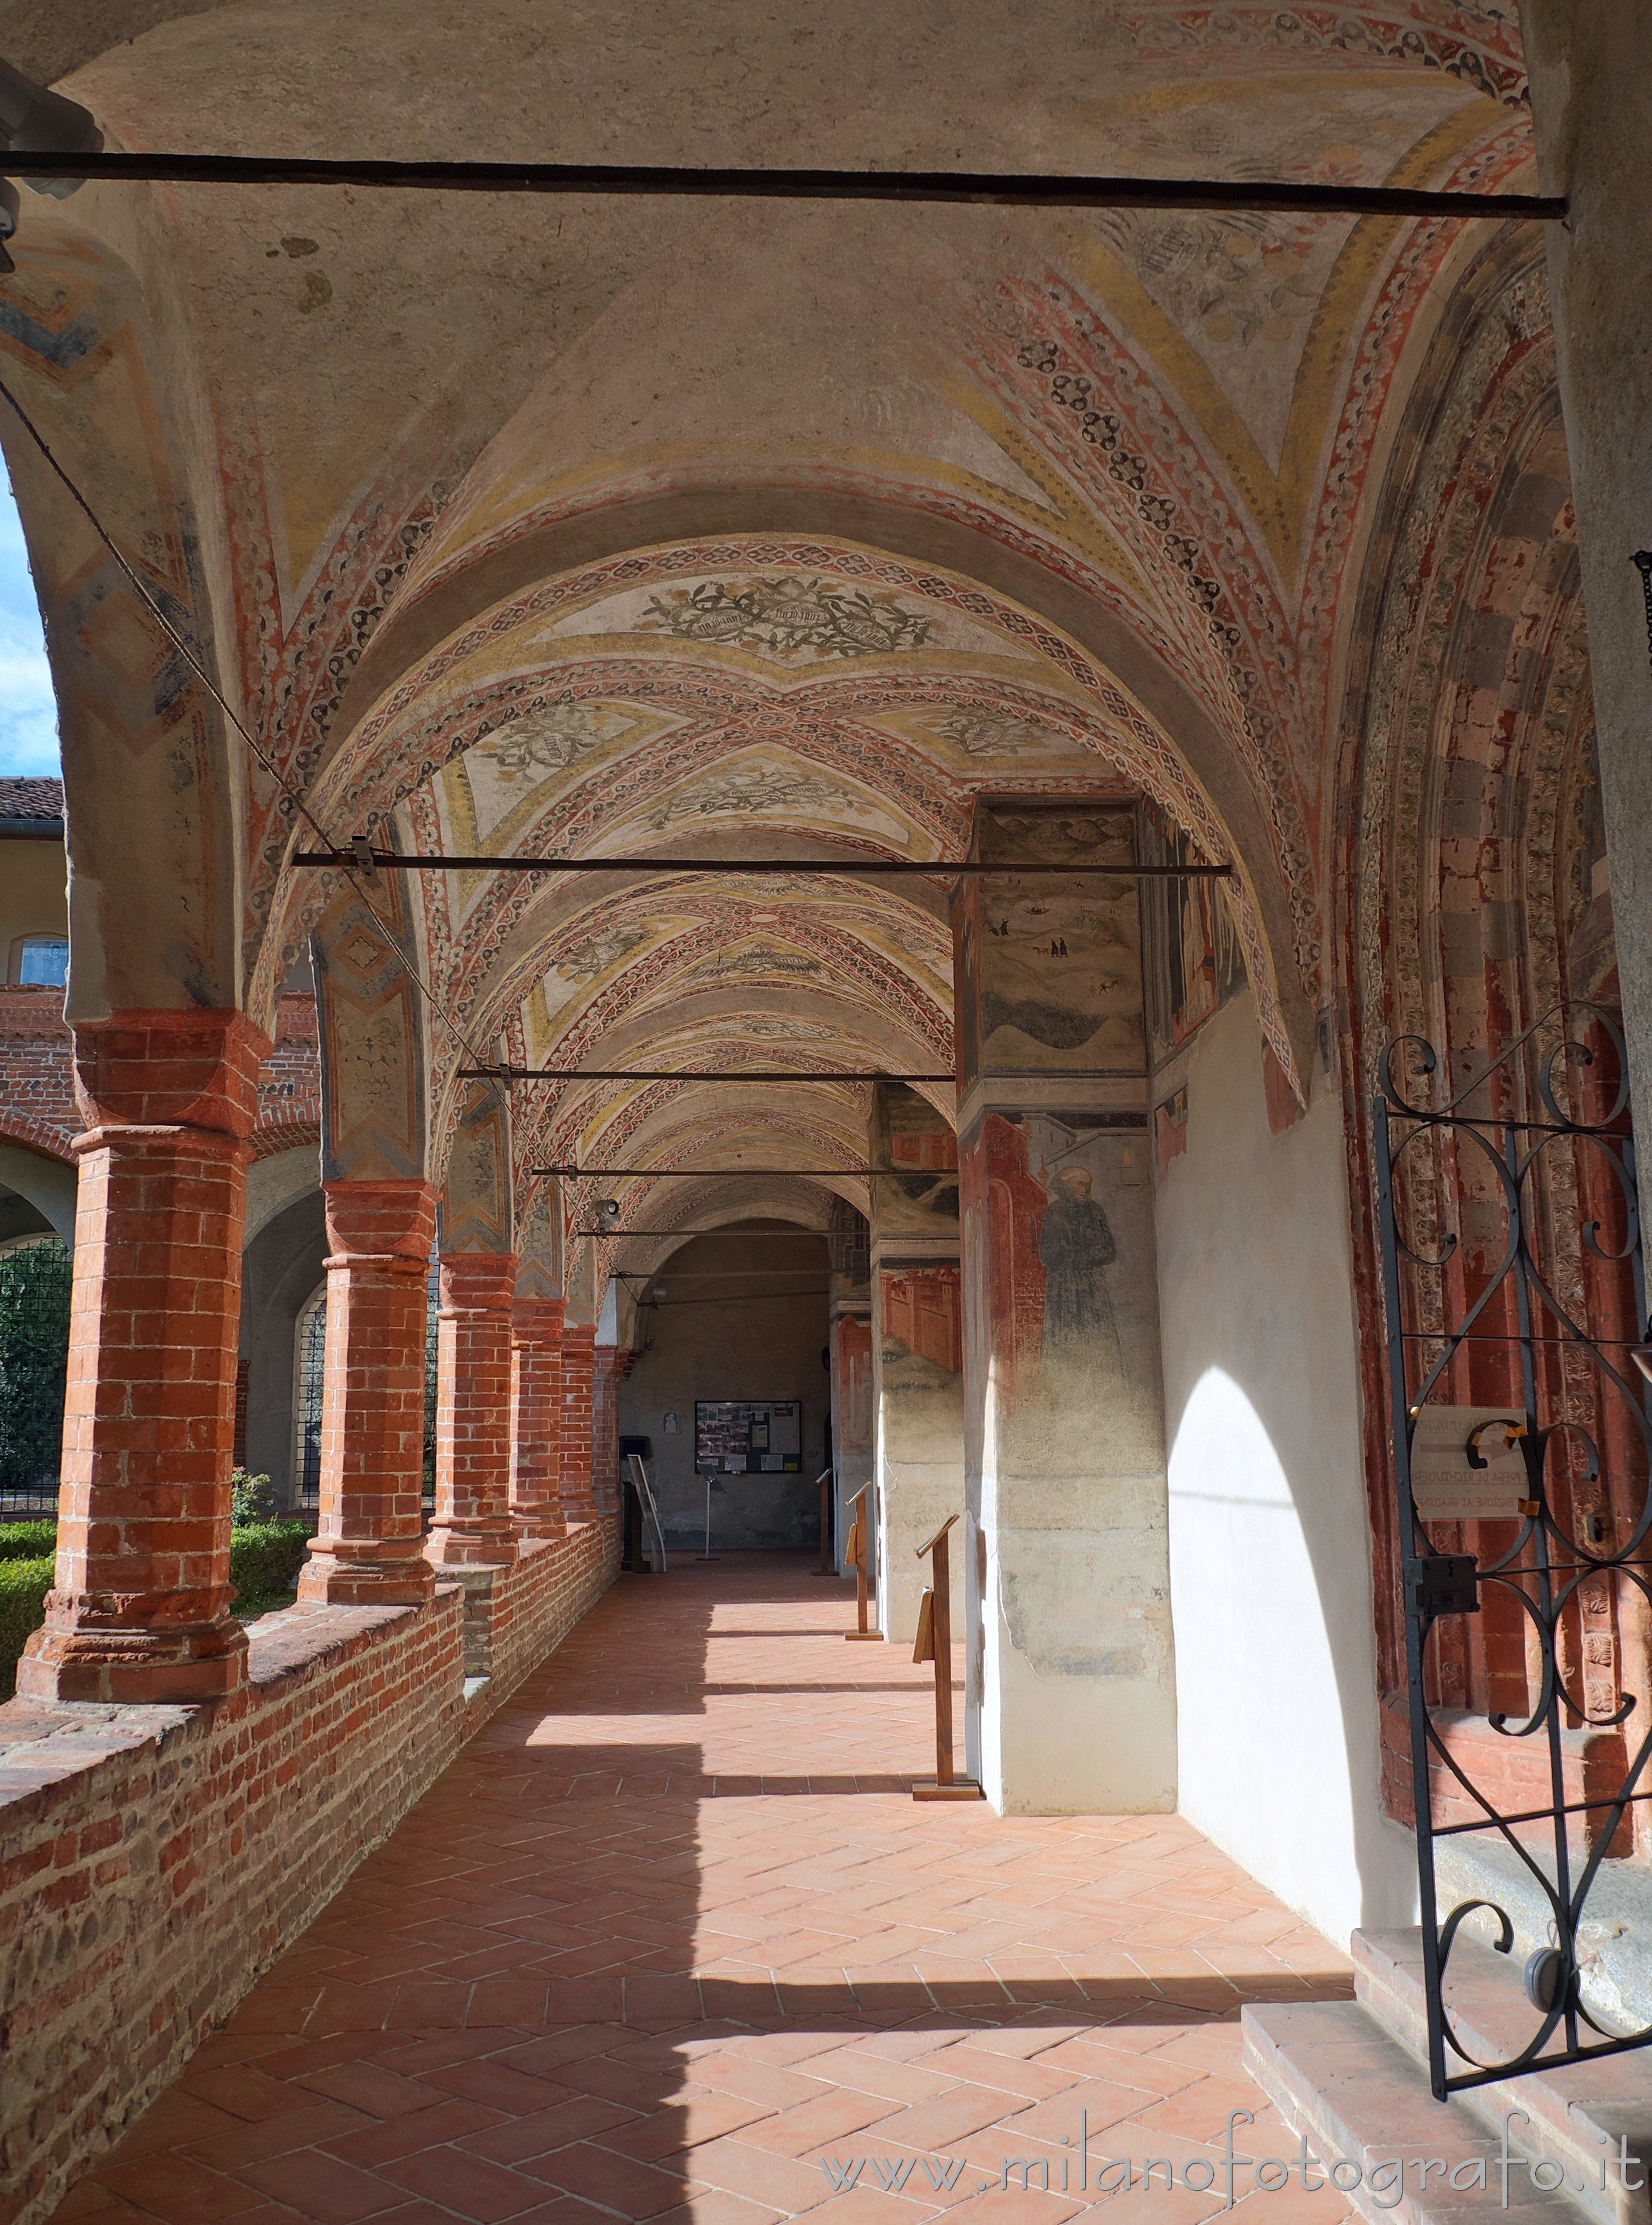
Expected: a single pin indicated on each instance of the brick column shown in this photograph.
(578, 1358)
(142, 1608)
(609, 1364)
(370, 1548)
(536, 1417)
(473, 1526)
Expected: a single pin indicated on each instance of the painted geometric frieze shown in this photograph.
(475, 1205)
(372, 1083)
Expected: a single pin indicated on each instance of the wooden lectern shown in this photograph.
(935, 1643)
(855, 1554)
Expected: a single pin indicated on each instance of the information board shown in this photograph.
(748, 1436)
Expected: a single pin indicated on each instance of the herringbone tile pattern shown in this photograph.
(671, 1931)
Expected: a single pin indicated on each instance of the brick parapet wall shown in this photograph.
(155, 1861)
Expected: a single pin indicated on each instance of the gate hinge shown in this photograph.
(1442, 1584)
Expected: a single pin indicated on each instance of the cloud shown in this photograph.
(27, 707)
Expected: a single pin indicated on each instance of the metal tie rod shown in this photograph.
(669, 1073)
(389, 861)
(721, 1174)
(988, 189)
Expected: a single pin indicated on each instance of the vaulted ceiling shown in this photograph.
(614, 526)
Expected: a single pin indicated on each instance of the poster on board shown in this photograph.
(748, 1436)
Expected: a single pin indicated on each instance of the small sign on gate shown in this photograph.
(1467, 1464)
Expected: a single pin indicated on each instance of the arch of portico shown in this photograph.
(796, 536)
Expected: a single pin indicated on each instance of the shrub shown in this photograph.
(265, 1557)
(33, 1361)
(23, 1586)
(252, 1498)
(27, 1541)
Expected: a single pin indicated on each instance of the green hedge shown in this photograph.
(23, 1586)
(266, 1557)
(264, 1561)
(27, 1541)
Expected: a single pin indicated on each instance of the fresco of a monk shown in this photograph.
(1077, 1246)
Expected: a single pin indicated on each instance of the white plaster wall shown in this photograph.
(1270, 1571)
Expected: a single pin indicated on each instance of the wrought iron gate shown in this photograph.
(1515, 1308)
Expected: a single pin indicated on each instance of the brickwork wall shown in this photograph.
(538, 1602)
(289, 1081)
(37, 1104)
(155, 1861)
(1513, 1774)
(37, 1107)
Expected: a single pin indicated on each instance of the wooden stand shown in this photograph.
(855, 1554)
(935, 1643)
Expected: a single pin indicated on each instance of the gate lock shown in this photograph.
(1442, 1584)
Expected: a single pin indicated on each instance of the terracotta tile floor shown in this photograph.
(670, 1931)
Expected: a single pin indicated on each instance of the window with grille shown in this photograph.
(312, 1342)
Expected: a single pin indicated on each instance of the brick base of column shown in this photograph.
(352, 1572)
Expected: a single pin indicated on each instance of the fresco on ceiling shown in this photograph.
(1051, 968)
(789, 788)
(789, 618)
(493, 789)
(918, 1197)
(993, 734)
(1192, 961)
(1063, 1319)
(766, 963)
(796, 621)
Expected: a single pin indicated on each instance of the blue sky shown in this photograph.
(27, 711)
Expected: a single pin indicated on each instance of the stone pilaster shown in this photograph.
(917, 1347)
(368, 1547)
(473, 1527)
(1071, 1701)
(141, 1607)
(849, 1310)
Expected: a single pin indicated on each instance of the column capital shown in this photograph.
(166, 1069)
(478, 1281)
(537, 1321)
(380, 1219)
